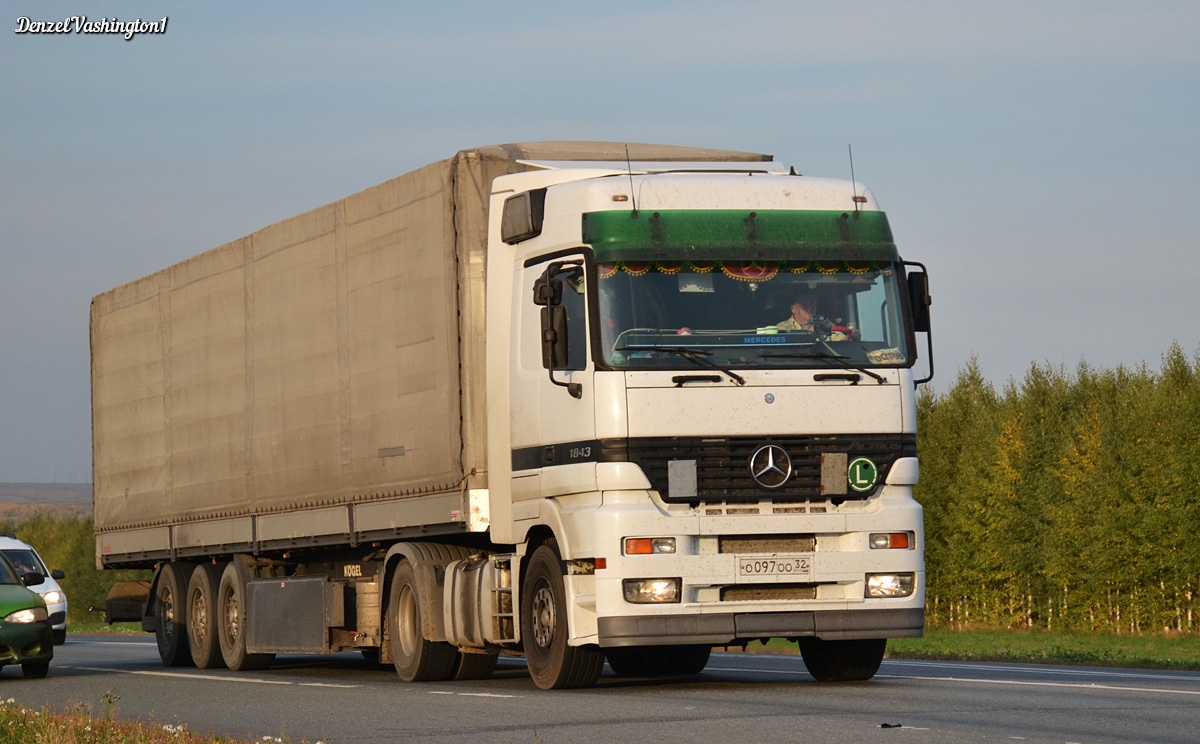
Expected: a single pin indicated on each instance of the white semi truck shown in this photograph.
(576, 400)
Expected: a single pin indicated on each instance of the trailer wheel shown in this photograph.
(416, 659)
(553, 664)
(202, 617)
(170, 609)
(842, 661)
(231, 621)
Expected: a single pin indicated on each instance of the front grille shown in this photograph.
(761, 592)
(723, 463)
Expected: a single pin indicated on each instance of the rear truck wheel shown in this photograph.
(231, 620)
(170, 609)
(202, 617)
(475, 666)
(658, 661)
(842, 661)
(416, 659)
(553, 664)
(35, 669)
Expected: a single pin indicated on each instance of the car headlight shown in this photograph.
(651, 591)
(31, 615)
(890, 585)
(53, 597)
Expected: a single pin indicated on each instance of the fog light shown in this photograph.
(651, 591)
(649, 545)
(891, 540)
(890, 585)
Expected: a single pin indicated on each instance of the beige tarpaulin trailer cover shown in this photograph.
(317, 382)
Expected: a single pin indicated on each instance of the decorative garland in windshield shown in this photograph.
(744, 271)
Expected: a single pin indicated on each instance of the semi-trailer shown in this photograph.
(579, 401)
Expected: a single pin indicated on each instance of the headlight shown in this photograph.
(889, 585)
(31, 615)
(651, 591)
(53, 597)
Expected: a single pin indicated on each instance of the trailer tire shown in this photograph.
(553, 664)
(416, 659)
(170, 609)
(842, 661)
(202, 616)
(231, 620)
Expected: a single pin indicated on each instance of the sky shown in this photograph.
(1041, 158)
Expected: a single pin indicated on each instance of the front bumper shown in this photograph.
(22, 643)
(728, 628)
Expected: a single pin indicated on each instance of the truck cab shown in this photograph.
(703, 392)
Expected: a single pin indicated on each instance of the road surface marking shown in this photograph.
(207, 677)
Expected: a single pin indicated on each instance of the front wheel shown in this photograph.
(35, 669)
(553, 664)
(842, 661)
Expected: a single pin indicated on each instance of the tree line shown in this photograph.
(1068, 500)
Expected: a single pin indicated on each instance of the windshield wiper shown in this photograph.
(699, 356)
(831, 356)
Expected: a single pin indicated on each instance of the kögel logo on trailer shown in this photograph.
(770, 466)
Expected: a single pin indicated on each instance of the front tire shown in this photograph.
(842, 661)
(416, 659)
(35, 669)
(231, 621)
(170, 609)
(553, 664)
(202, 615)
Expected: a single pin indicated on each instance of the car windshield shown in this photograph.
(751, 314)
(25, 561)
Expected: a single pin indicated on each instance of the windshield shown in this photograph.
(7, 575)
(25, 561)
(751, 315)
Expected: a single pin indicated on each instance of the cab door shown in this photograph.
(553, 430)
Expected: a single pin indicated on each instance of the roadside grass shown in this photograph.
(80, 724)
(1031, 646)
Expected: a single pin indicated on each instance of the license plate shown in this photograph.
(775, 565)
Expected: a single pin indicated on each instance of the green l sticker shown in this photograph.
(862, 474)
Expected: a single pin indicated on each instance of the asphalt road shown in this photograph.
(740, 698)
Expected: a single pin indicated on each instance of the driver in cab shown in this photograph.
(803, 316)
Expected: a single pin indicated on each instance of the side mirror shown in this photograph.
(919, 300)
(57, 574)
(33, 578)
(554, 337)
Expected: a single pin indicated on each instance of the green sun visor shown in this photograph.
(722, 234)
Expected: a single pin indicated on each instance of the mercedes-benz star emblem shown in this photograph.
(770, 466)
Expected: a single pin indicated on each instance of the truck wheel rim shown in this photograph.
(231, 616)
(199, 616)
(166, 605)
(543, 617)
(407, 620)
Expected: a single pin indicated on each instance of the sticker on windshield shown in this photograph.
(885, 356)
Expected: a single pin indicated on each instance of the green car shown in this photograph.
(26, 637)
